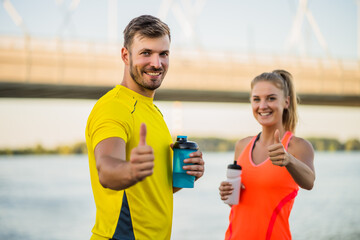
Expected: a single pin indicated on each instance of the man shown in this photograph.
(129, 144)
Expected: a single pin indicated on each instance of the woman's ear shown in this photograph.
(287, 102)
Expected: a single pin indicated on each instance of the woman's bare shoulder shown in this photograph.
(300, 141)
(242, 143)
(298, 145)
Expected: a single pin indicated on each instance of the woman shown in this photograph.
(274, 163)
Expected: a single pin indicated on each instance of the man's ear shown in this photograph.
(125, 55)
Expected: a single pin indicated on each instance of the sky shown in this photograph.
(256, 26)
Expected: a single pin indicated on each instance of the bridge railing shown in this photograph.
(61, 62)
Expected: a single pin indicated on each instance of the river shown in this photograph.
(49, 197)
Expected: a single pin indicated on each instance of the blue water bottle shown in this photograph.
(182, 149)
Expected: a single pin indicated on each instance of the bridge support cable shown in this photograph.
(295, 38)
(186, 14)
(15, 16)
(19, 22)
(67, 16)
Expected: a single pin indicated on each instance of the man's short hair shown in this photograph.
(146, 26)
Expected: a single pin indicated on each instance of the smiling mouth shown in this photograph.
(265, 114)
(153, 74)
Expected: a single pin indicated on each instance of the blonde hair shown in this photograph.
(284, 81)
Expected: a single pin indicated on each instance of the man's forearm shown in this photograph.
(116, 174)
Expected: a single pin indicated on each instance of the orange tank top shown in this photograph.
(266, 202)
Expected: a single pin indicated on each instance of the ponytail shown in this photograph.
(290, 115)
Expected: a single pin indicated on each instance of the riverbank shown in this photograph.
(211, 144)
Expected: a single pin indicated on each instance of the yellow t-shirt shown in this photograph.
(144, 210)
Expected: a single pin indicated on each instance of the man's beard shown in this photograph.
(136, 75)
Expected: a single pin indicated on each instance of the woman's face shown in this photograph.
(268, 103)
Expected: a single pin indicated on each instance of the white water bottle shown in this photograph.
(234, 177)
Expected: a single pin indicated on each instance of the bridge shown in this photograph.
(32, 67)
(38, 68)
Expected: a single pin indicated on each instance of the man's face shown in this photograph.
(149, 61)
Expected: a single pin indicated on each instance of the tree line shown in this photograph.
(207, 144)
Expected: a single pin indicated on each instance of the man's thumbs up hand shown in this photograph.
(141, 158)
(142, 141)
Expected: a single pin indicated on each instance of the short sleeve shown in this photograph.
(110, 119)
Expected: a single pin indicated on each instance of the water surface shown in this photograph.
(50, 197)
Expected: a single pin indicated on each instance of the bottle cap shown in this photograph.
(234, 166)
(181, 138)
(182, 143)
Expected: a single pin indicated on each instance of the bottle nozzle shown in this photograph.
(234, 165)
